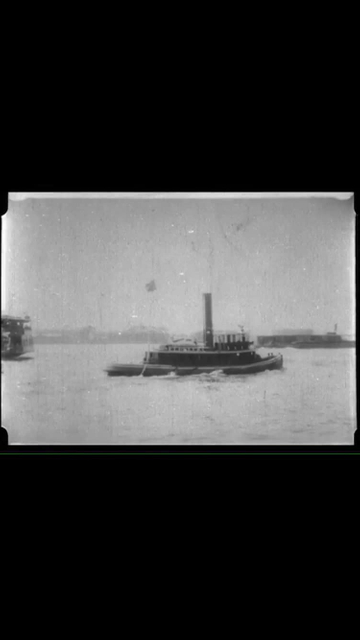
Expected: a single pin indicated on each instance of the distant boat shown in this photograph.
(16, 337)
(330, 340)
(230, 353)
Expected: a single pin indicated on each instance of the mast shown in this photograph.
(208, 326)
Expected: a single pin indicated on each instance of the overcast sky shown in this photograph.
(269, 263)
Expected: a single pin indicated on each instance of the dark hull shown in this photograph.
(12, 354)
(273, 362)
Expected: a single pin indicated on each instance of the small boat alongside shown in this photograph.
(16, 337)
(231, 354)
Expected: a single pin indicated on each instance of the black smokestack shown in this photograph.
(208, 326)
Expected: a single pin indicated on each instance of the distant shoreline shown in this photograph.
(89, 335)
(99, 341)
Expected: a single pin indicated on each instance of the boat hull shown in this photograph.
(10, 356)
(273, 362)
(139, 369)
(15, 352)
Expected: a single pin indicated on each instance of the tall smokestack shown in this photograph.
(208, 326)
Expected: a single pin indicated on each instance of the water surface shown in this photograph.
(63, 396)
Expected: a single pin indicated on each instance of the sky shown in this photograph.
(270, 263)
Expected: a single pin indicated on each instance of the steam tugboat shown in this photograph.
(16, 337)
(231, 354)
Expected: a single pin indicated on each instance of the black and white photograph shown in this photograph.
(178, 319)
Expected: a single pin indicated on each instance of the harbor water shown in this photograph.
(61, 395)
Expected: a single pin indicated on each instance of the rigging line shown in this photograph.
(148, 349)
(211, 255)
(61, 271)
(210, 258)
(223, 233)
(239, 227)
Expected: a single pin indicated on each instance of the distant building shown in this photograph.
(293, 332)
(283, 337)
(87, 334)
(278, 340)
